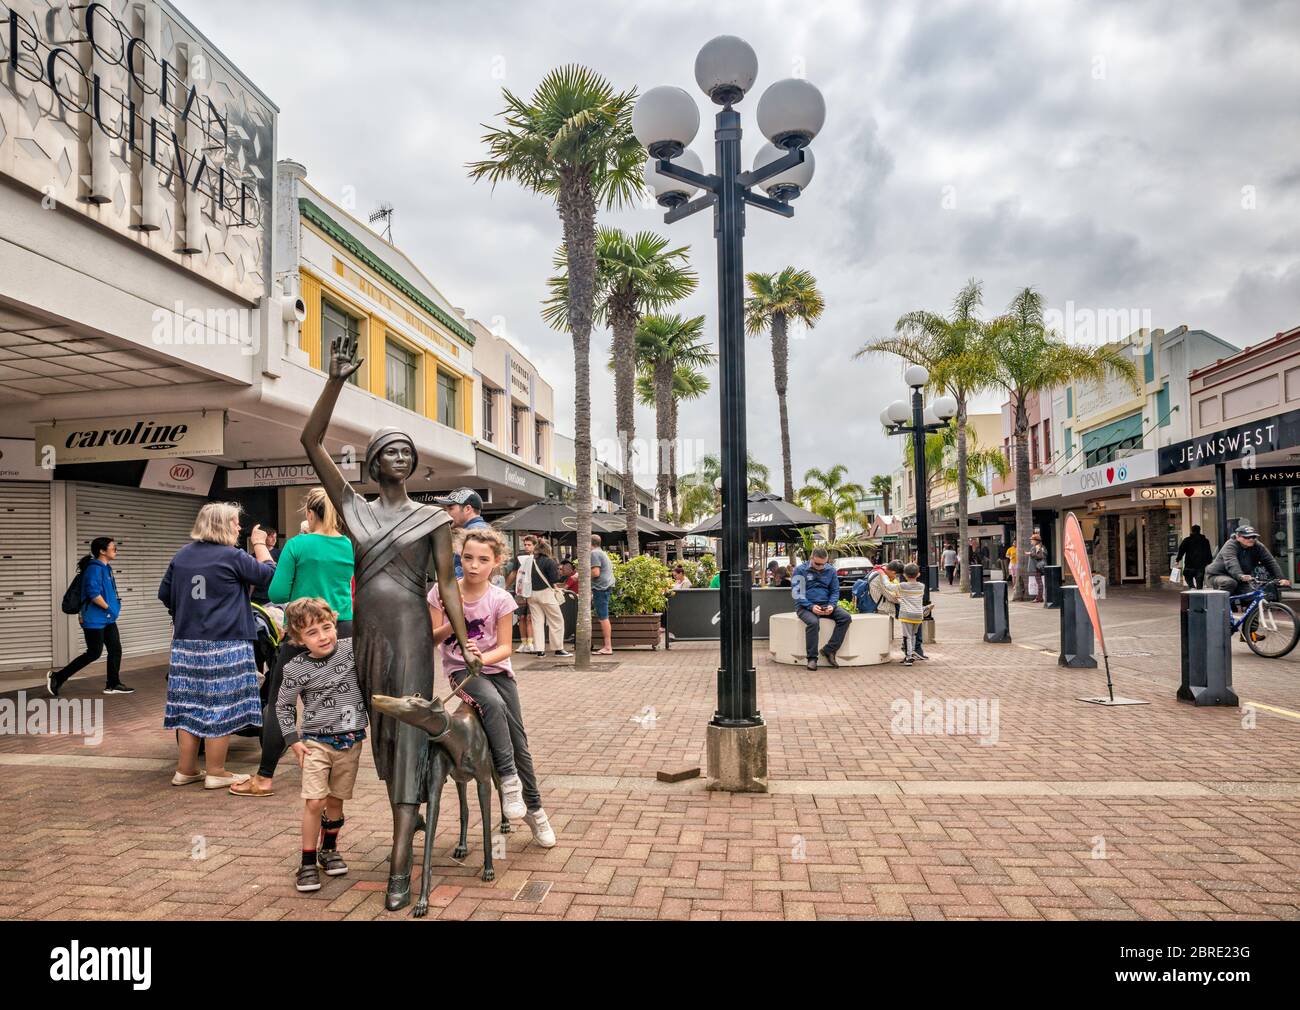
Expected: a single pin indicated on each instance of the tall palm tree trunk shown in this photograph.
(663, 385)
(578, 212)
(781, 373)
(623, 322)
(674, 501)
(1024, 507)
(963, 500)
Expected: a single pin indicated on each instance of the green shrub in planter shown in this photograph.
(705, 569)
(641, 586)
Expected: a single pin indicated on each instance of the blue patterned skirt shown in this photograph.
(212, 688)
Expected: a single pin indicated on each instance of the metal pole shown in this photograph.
(737, 696)
(922, 508)
(1221, 503)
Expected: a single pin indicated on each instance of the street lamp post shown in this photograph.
(924, 420)
(665, 120)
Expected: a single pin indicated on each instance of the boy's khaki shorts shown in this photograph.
(329, 772)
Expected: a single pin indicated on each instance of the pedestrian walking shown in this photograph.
(519, 580)
(1195, 554)
(544, 602)
(259, 594)
(97, 614)
(1034, 562)
(950, 562)
(212, 677)
(317, 564)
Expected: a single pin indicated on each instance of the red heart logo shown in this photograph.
(1189, 491)
(1110, 474)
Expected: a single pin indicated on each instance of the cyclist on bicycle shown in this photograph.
(1238, 558)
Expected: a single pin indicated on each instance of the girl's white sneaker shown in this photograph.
(543, 834)
(512, 798)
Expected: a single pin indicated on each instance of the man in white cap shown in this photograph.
(1233, 568)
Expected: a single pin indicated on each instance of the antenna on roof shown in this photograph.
(384, 213)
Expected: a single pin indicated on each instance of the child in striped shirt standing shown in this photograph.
(909, 595)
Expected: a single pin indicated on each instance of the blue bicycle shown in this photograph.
(1268, 627)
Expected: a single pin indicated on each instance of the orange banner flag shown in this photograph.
(1076, 558)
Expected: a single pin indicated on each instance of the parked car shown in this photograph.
(849, 571)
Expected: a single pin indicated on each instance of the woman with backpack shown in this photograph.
(319, 564)
(97, 613)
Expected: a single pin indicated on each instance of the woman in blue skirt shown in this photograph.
(212, 680)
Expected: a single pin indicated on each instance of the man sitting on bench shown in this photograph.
(816, 590)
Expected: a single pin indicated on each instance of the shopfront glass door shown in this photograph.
(1132, 560)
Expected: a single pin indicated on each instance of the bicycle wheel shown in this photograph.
(1272, 630)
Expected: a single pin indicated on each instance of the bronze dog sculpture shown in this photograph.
(459, 747)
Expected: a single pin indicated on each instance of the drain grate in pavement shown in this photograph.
(534, 890)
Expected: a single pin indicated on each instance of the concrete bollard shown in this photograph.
(1051, 576)
(976, 582)
(932, 576)
(1076, 630)
(997, 623)
(1207, 648)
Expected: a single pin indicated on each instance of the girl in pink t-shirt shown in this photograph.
(493, 694)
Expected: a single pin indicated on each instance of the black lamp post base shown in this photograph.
(737, 758)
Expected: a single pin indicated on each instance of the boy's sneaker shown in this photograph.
(543, 834)
(119, 689)
(308, 878)
(331, 862)
(512, 798)
(51, 688)
(920, 655)
(907, 661)
(563, 654)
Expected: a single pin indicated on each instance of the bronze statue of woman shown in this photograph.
(395, 542)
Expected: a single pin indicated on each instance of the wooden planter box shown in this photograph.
(629, 631)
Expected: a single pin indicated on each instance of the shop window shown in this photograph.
(1149, 364)
(517, 430)
(489, 414)
(401, 373)
(538, 441)
(334, 325)
(1069, 401)
(1162, 406)
(448, 400)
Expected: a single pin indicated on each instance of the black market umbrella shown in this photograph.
(648, 530)
(769, 515)
(542, 517)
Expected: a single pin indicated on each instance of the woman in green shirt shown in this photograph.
(317, 563)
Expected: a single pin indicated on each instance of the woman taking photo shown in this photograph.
(212, 676)
(100, 607)
(317, 563)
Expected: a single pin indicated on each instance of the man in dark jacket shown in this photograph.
(1232, 569)
(1195, 553)
(816, 590)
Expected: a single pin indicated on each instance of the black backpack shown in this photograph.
(72, 595)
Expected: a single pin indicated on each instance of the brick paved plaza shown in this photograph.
(1074, 811)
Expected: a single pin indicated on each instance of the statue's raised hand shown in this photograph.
(343, 358)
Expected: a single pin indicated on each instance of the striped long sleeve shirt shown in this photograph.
(332, 701)
(910, 597)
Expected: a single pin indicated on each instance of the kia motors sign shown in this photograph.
(179, 476)
(136, 436)
(285, 476)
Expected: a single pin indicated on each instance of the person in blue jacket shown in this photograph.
(815, 587)
(100, 607)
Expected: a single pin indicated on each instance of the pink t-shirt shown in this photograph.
(481, 617)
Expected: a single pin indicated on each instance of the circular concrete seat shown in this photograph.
(866, 644)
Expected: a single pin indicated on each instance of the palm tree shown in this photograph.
(882, 484)
(572, 141)
(700, 496)
(951, 348)
(669, 351)
(634, 273)
(774, 300)
(827, 493)
(1028, 359)
(940, 469)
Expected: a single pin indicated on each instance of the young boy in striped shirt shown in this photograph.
(333, 726)
(909, 595)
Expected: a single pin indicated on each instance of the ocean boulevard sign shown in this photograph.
(138, 436)
(134, 120)
(1107, 475)
(1244, 441)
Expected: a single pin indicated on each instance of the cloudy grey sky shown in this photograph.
(1137, 156)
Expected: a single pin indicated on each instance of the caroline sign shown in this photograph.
(125, 113)
(139, 436)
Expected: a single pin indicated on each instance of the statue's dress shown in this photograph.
(392, 636)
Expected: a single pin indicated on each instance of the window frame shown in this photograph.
(394, 343)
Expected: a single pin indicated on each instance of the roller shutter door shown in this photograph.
(27, 598)
(149, 527)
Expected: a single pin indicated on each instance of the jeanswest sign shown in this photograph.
(134, 120)
(139, 436)
(1242, 442)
